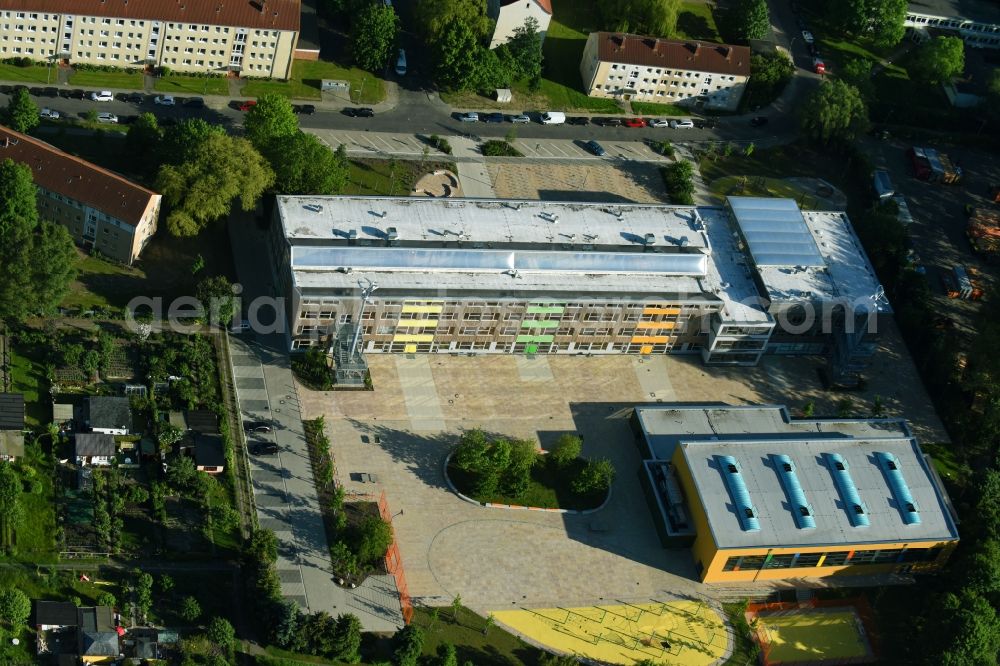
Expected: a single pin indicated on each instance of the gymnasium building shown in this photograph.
(759, 496)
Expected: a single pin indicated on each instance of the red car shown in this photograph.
(247, 105)
(635, 122)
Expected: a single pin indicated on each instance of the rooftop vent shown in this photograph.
(392, 234)
(353, 234)
(897, 484)
(857, 512)
(551, 217)
(801, 511)
(733, 477)
(650, 239)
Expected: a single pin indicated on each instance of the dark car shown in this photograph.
(304, 109)
(363, 112)
(758, 121)
(51, 92)
(608, 122)
(126, 120)
(257, 426)
(37, 92)
(78, 94)
(595, 148)
(194, 103)
(263, 448)
(493, 118)
(705, 123)
(577, 120)
(134, 98)
(6, 90)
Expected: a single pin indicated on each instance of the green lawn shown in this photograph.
(389, 177)
(760, 186)
(954, 472)
(696, 21)
(549, 488)
(652, 109)
(35, 535)
(28, 378)
(366, 88)
(97, 283)
(33, 74)
(126, 80)
(192, 85)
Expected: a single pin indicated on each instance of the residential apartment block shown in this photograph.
(511, 15)
(759, 496)
(977, 22)
(534, 277)
(255, 37)
(648, 69)
(102, 210)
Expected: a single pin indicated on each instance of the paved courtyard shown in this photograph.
(616, 180)
(499, 559)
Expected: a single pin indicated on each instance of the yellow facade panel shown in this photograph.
(410, 349)
(417, 323)
(650, 339)
(431, 309)
(661, 311)
(655, 324)
(404, 337)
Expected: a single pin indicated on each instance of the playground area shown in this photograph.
(812, 634)
(677, 632)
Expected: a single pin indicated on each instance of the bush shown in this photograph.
(678, 179)
(409, 645)
(106, 599)
(565, 450)
(596, 476)
(440, 144)
(664, 148)
(373, 539)
(498, 148)
(311, 367)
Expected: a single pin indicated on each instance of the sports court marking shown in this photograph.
(678, 632)
(815, 635)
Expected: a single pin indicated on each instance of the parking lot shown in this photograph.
(496, 558)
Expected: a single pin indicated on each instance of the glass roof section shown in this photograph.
(775, 231)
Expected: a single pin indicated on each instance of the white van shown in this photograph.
(401, 63)
(553, 118)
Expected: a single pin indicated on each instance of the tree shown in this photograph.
(456, 606)
(106, 599)
(143, 586)
(263, 547)
(470, 455)
(202, 190)
(22, 113)
(657, 18)
(181, 141)
(595, 477)
(882, 19)
(566, 449)
(458, 56)
(272, 118)
(938, 60)
(304, 165)
(558, 660)
(858, 73)
(753, 19)
(679, 181)
(435, 17)
(143, 141)
(446, 655)
(217, 297)
(15, 607)
(285, 627)
(18, 221)
(52, 259)
(374, 539)
(516, 475)
(347, 639)
(771, 72)
(182, 472)
(834, 112)
(968, 631)
(221, 633)
(190, 609)
(373, 36)
(409, 644)
(168, 436)
(525, 50)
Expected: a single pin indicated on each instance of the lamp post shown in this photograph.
(367, 288)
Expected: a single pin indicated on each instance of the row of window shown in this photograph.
(683, 73)
(495, 316)
(952, 23)
(492, 331)
(132, 22)
(836, 558)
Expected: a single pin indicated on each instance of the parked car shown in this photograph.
(36, 92)
(608, 122)
(577, 120)
(519, 119)
(51, 92)
(107, 118)
(552, 118)
(808, 37)
(78, 94)
(635, 122)
(658, 122)
(819, 66)
(469, 117)
(595, 148)
(494, 117)
(758, 121)
(135, 98)
(263, 448)
(257, 426)
(49, 113)
(363, 112)
(164, 100)
(247, 105)
(102, 96)
(686, 123)
(242, 327)
(304, 109)
(401, 63)
(194, 103)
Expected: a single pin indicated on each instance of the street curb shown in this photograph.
(518, 507)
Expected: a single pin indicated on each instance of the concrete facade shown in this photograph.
(511, 15)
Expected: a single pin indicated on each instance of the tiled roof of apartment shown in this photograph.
(64, 174)
(673, 54)
(544, 4)
(260, 14)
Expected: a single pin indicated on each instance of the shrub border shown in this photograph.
(517, 507)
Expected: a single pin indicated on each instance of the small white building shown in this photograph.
(511, 15)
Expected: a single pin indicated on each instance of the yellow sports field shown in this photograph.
(816, 635)
(677, 632)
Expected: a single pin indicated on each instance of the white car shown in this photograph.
(107, 118)
(520, 119)
(49, 113)
(469, 117)
(808, 37)
(102, 96)
(164, 100)
(658, 122)
(681, 124)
